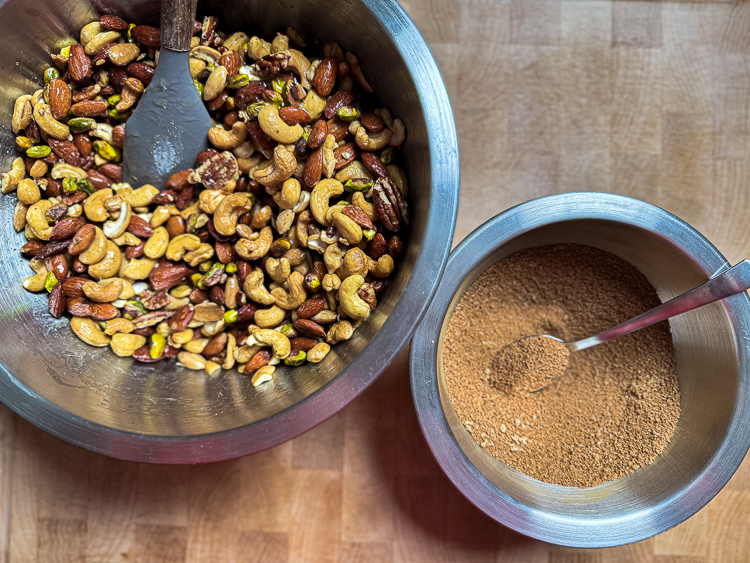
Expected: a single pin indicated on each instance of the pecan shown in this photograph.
(395, 247)
(313, 168)
(168, 275)
(153, 300)
(376, 247)
(73, 197)
(57, 301)
(79, 64)
(78, 306)
(259, 137)
(135, 251)
(152, 318)
(181, 318)
(112, 171)
(56, 212)
(140, 227)
(179, 180)
(98, 180)
(318, 134)
(58, 265)
(82, 239)
(249, 94)
(141, 71)
(374, 165)
(311, 307)
(113, 23)
(66, 150)
(208, 30)
(367, 294)
(231, 61)
(83, 143)
(52, 248)
(66, 228)
(325, 76)
(164, 197)
(309, 328)
(294, 116)
(358, 216)
(186, 196)
(338, 129)
(73, 286)
(345, 155)
(378, 285)
(372, 122)
(216, 345)
(223, 251)
(32, 247)
(216, 171)
(103, 311)
(60, 98)
(337, 101)
(259, 359)
(147, 35)
(390, 204)
(203, 156)
(89, 108)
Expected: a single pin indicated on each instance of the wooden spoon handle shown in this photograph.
(177, 17)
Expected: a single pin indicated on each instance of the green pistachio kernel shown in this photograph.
(198, 87)
(254, 109)
(229, 104)
(130, 35)
(238, 81)
(231, 316)
(252, 198)
(80, 124)
(287, 328)
(23, 143)
(70, 185)
(102, 325)
(158, 343)
(195, 278)
(306, 135)
(297, 360)
(368, 233)
(205, 266)
(50, 74)
(136, 305)
(39, 151)
(85, 186)
(357, 185)
(278, 84)
(386, 157)
(105, 150)
(231, 268)
(65, 51)
(113, 100)
(274, 97)
(50, 281)
(347, 113)
(119, 115)
(128, 316)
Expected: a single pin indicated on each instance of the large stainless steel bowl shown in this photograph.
(713, 368)
(161, 413)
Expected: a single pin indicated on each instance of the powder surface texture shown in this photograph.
(616, 406)
(529, 364)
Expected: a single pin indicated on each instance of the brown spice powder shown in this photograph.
(528, 364)
(616, 406)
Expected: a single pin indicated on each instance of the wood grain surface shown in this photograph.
(638, 98)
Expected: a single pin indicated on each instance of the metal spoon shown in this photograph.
(170, 125)
(730, 282)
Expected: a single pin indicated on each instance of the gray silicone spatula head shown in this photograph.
(170, 125)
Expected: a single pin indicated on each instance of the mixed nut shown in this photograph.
(272, 248)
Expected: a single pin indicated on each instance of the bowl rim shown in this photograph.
(366, 367)
(578, 530)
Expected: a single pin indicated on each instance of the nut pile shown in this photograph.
(272, 248)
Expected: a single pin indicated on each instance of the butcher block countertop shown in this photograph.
(645, 99)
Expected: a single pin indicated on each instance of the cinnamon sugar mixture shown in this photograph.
(615, 407)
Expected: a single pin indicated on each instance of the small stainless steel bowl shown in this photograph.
(165, 414)
(711, 343)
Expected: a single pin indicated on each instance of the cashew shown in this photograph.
(258, 48)
(182, 337)
(124, 53)
(368, 142)
(279, 342)
(329, 161)
(19, 216)
(383, 267)
(301, 65)
(28, 192)
(229, 211)
(191, 361)
(141, 197)
(209, 200)
(124, 344)
(322, 192)
(227, 140)
(279, 43)
(108, 266)
(99, 41)
(48, 124)
(10, 179)
(313, 105)
(130, 94)
(356, 262)
(102, 294)
(199, 255)
(399, 133)
(268, 318)
(137, 268)
(119, 324)
(359, 200)
(95, 252)
(196, 345)
(22, 111)
(262, 217)
(115, 227)
(284, 221)
(330, 282)
(255, 289)
(351, 303)
(236, 41)
(231, 346)
(196, 65)
(180, 245)
(278, 269)
(339, 332)
(264, 374)
(296, 295)
(211, 328)
(206, 53)
(88, 331)
(128, 292)
(36, 218)
(274, 126)
(347, 228)
(289, 195)
(93, 207)
(37, 282)
(160, 215)
(283, 166)
(215, 83)
(156, 245)
(253, 249)
(318, 352)
(89, 31)
(63, 170)
(333, 257)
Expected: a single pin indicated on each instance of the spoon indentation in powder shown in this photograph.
(529, 364)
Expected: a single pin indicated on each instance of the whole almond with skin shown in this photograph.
(259, 136)
(223, 252)
(338, 129)
(113, 23)
(376, 247)
(57, 301)
(218, 101)
(87, 93)
(182, 318)
(79, 64)
(143, 354)
(79, 306)
(358, 216)
(111, 171)
(168, 276)
(147, 35)
(103, 311)
(311, 307)
(98, 180)
(294, 116)
(231, 61)
(175, 226)
(318, 134)
(395, 247)
(135, 251)
(118, 76)
(259, 359)
(141, 71)
(73, 286)
(32, 247)
(66, 228)
(372, 122)
(66, 150)
(313, 168)
(140, 227)
(118, 135)
(338, 100)
(89, 108)
(303, 343)
(325, 76)
(216, 345)
(60, 98)
(79, 267)
(165, 197)
(83, 143)
(184, 198)
(374, 165)
(58, 265)
(345, 155)
(309, 328)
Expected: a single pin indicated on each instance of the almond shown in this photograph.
(313, 168)
(112, 171)
(79, 64)
(58, 265)
(309, 328)
(223, 252)
(32, 247)
(374, 165)
(318, 134)
(338, 100)
(376, 247)
(371, 122)
(164, 197)
(66, 150)
(294, 116)
(89, 108)
(249, 94)
(98, 180)
(73, 287)
(168, 275)
(135, 251)
(143, 354)
(60, 98)
(358, 216)
(87, 93)
(338, 129)
(185, 197)
(141, 71)
(103, 311)
(325, 76)
(57, 301)
(182, 318)
(66, 228)
(118, 76)
(231, 61)
(79, 306)
(258, 135)
(175, 226)
(395, 247)
(140, 227)
(83, 143)
(147, 35)
(311, 307)
(118, 136)
(345, 155)
(113, 23)
(260, 359)
(302, 343)
(216, 345)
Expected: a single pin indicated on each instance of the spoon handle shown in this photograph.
(177, 17)
(730, 282)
